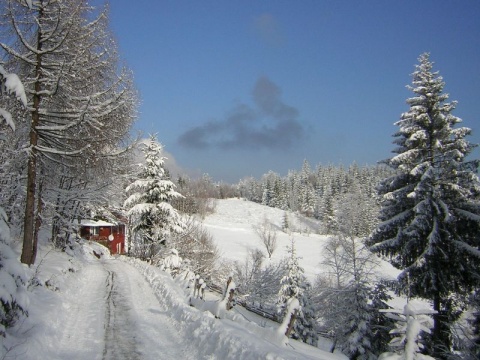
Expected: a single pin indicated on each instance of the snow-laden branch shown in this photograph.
(8, 118)
(49, 150)
(472, 250)
(468, 215)
(14, 85)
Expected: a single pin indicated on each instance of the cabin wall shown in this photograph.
(102, 236)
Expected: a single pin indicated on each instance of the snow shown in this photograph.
(8, 118)
(293, 305)
(14, 85)
(86, 222)
(123, 308)
(232, 227)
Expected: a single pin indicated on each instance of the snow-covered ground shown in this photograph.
(232, 230)
(95, 309)
(121, 308)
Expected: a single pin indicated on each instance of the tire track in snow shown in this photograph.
(156, 333)
(111, 312)
(120, 341)
(81, 333)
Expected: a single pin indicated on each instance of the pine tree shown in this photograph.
(430, 212)
(152, 217)
(295, 286)
(291, 283)
(356, 332)
(380, 324)
(305, 327)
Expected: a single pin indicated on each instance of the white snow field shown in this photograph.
(232, 230)
(122, 308)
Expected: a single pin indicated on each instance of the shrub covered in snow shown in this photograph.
(13, 297)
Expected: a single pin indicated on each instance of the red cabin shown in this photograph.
(110, 235)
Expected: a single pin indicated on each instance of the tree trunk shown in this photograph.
(38, 218)
(29, 245)
(293, 317)
(441, 331)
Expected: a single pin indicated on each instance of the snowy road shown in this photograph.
(104, 309)
(115, 315)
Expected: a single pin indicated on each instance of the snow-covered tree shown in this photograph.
(380, 324)
(305, 328)
(410, 326)
(80, 103)
(268, 235)
(356, 332)
(258, 283)
(10, 84)
(13, 298)
(12, 276)
(291, 283)
(151, 216)
(467, 331)
(195, 245)
(431, 211)
(294, 287)
(306, 192)
(343, 296)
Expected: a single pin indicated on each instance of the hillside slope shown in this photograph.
(232, 229)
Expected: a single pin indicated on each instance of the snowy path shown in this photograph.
(115, 315)
(123, 308)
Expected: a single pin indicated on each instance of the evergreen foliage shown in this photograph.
(291, 282)
(13, 297)
(475, 323)
(356, 332)
(430, 207)
(294, 285)
(305, 328)
(318, 193)
(152, 217)
(380, 324)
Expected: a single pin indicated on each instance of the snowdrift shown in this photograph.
(231, 337)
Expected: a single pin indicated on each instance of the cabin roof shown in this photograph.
(90, 222)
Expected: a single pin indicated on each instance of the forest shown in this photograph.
(67, 107)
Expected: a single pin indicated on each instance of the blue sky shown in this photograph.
(237, 88)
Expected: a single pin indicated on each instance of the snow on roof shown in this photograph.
(89, 222)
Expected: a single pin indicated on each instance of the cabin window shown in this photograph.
(94, 230)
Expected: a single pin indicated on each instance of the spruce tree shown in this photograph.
(305, 328)
(430, 216)
(295, 286)
(152, 217)
(291, 283)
